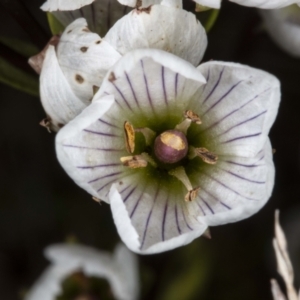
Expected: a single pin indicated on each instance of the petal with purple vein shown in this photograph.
(235, 188)
(237, 108)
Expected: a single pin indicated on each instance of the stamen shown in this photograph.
(148, 134)
(129, 137)
(207, 156)
(190, 117)
(180, 174)
(189, 114)
(149, 159)
(134, 162)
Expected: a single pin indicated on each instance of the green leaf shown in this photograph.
(55, 26)
(26, 49)
(18, 79)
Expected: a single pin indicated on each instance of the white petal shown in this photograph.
(52, 5)
(47, 287)
(284, 28)
(84, 59)
(237, 107)
(268, 4)
(158, 27)
(152, 222)
(209, 3)
(100, 15)
(235, 188)
(126, 266)
(145, 3)
(101, 264)
(58, 99)
(89, 149)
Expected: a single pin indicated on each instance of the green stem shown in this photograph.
(211, 19)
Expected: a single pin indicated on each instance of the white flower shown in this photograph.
(119, 269)
(119, 148)
(71, 74)
(265, 4)
(283, 25)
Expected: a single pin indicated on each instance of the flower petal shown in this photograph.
(283, 29)
(47, 287)
(268, 4)
(158, 27)
(100, 15)
(89, 149)
(84, 59)
(134, 3)
(209, 3)
(150, 221)
(235, 188)
(52, 5)
(57, 97)
(238, 106)
(126, 266)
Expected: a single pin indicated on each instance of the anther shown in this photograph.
(134, 162)
(190, 117)
(207, 156)
(129, 137)
(180, 174)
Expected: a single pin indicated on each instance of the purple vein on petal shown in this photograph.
(125, 189)
(176, 84)
(228, 188)
(184, 218)
(202, 210)
(243, 122)
(108, 183)
(234, 111)
(163, 83)
(241, 177)
(99, 166)
(132, 90)
(176, 217)
(129, 194)
(214, 197)
(222, 97)
(147, 87)
(109, 124)
(122, 95)
(149, 217)
(208, 206)
(101, 133)
(226, 206)
(242, 137)
(242, 165)
(164, 219)
(91, 148)
(137, 203)
(105, 176)
(215, 86)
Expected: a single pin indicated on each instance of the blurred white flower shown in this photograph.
(119, 269)
(73, 71)
(283, 25)
(265, 4)
(172, 176)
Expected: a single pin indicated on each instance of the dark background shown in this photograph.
(40, 205)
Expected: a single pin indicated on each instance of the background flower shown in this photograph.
(71, 75)
(283, 25)
(120, 270)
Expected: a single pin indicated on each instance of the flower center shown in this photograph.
(168, 152)
(171, 146)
